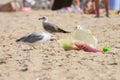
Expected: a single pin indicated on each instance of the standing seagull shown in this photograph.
(51, 27)
(38, 37)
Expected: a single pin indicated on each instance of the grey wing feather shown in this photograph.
(50, 27)
(53, 28)
(33, 38)
(21, 39)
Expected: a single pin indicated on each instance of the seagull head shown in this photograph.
(44, 18)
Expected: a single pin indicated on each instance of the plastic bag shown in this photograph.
(79, 35)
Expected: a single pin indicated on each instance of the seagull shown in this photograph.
(37, 37)
(51, 27)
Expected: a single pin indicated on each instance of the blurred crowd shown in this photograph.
(86, 6)
(81, 6)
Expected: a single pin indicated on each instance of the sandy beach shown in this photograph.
(49, 61)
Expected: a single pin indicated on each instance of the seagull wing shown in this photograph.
(53, 28)
(50, 27)
(33, 37)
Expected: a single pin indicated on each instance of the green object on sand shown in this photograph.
(66, 47)
(105, 49)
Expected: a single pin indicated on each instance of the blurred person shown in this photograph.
(11, 6)
(89, 7)
(76, 4)
(52, 1)
(67, 5)
(58, 4)
(82, 2)
(97, 8)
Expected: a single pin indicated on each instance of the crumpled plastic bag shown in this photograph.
(81, 36)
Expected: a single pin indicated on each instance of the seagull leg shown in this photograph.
(44, 47)
(33, 47)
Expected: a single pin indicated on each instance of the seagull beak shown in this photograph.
(40, 18)
(53, 39)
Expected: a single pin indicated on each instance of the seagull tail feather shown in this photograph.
(21, 39)
(61, 30)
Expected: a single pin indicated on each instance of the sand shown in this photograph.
(50, 62)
